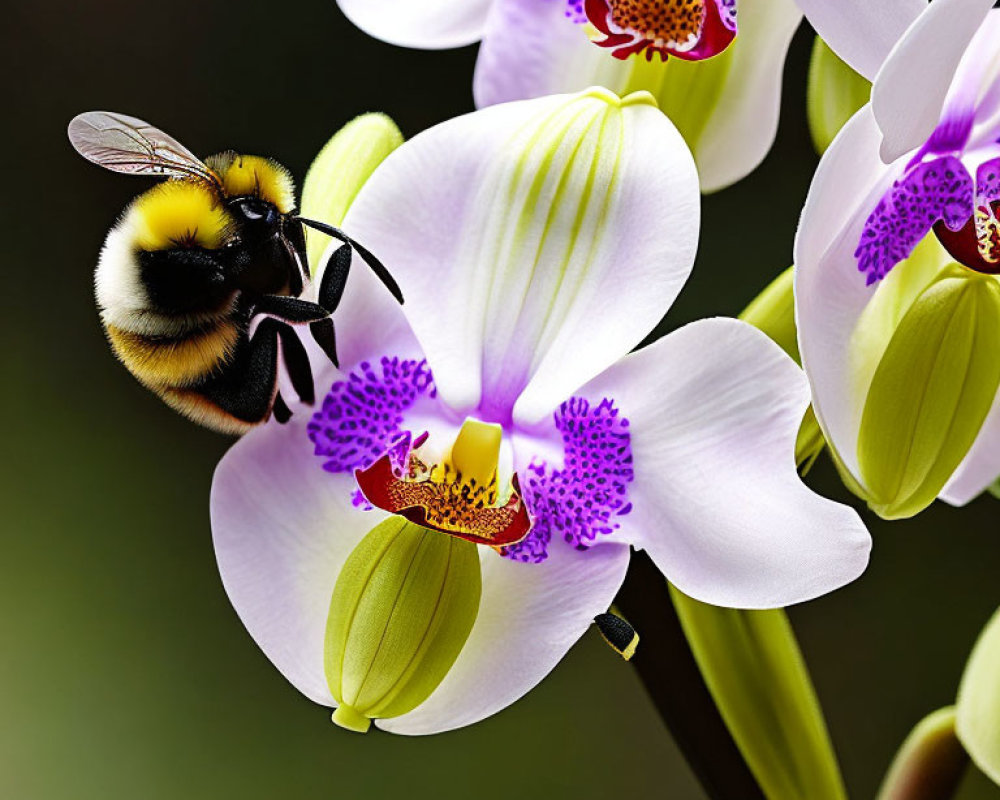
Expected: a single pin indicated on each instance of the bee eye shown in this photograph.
(253, 209)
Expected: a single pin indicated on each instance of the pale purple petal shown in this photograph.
(830, 295)
(530, 49)
(282, 529)
(524, 292)
(911, 88)
(714, 410)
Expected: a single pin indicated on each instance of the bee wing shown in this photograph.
(125, 144)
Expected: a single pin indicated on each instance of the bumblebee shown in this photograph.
(199, 281)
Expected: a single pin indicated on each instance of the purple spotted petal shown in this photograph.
(362, 414)
(988, 182)
(579, 501)
(727, 10)
(932, 191)
(576, 12)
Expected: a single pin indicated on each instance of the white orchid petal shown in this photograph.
(726, 108)
(428, 24)
(283, 528)
(530, 616)
(910, 89)
(714, 410)
(369, 322)
(739, 132)
(862, 32)
(511, 232)
(830, 293)
(981, 466)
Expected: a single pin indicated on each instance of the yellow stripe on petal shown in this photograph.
(551, 234)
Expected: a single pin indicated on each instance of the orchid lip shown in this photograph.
(939, 195)
(458, 496)
(692, 30)
(575, 494)
(976, 244)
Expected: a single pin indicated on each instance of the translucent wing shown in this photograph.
(129, 145)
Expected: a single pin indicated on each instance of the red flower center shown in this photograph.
(689, 29)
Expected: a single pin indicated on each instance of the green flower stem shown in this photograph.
(752, 666)
(669, 672)
(930, 764)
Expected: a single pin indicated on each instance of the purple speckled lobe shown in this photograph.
(988, 182)
(727, 10)
(579, 501)
(575, 12)
(934, 190)
(363, 414)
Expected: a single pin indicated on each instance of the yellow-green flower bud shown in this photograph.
(930, 392)
(339, 172)
(403, 607)
(773, 312)
(930, 764)
(979, 702)
(835, 93)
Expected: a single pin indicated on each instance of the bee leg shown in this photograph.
(282, 413)
(373, 263)
(325, 336)
(331, 285)
(245, 388)
(296, 363)
(380, 271)
(290, 309)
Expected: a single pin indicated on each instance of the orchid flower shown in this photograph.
(897, 299)
(496, 422)
(726, 107)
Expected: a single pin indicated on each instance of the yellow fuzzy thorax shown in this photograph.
(253, 175)
(179, 213)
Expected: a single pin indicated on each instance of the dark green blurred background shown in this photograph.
(124, 672)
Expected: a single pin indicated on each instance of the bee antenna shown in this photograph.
(376, 266)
